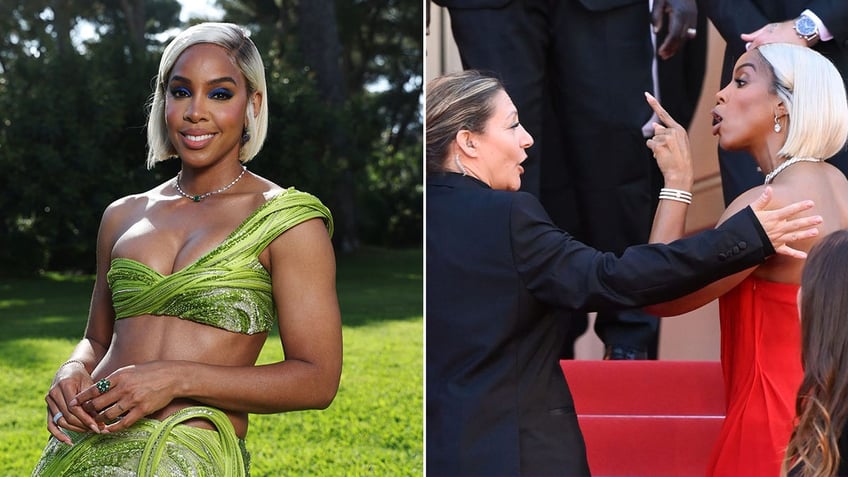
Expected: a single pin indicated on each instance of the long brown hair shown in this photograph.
(822, 404)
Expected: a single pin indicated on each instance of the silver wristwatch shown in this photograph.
(806, 28)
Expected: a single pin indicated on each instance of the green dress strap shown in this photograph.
(229, 453)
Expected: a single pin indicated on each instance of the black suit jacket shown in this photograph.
(497, 402)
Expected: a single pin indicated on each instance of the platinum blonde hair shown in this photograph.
(814, 94)
(245, 56)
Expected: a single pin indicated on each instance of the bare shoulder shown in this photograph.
(133, 204)
(269, 189)
(744, 200)
(129, 209)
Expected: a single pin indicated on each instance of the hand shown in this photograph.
(783, 32)
(670, 145)
(70, 379)
(682, 16)
(133, 392)
(780, 229)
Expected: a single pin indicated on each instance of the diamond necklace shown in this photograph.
(198, 198)
(777, 170)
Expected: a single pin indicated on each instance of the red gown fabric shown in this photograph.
(761, 362)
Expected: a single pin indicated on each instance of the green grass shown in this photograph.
(374, 426)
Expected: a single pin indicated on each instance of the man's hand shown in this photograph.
(682, 21)
(783, 32)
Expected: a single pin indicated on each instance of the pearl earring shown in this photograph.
(777, 127)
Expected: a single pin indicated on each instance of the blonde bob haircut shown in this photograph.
(246, 57)
(813, 92)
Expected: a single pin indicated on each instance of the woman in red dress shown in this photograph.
(785, 105)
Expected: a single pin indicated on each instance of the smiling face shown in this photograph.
(501, 146)
(744, 115)
(205, 103)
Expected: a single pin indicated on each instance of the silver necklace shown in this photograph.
(777, 170)
(198, 198)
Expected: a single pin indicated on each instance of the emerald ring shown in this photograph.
(103, 385)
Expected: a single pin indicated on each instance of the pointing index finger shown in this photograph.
(662, 114)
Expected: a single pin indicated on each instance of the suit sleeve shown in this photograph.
(733, 18)
(834, 15)
(562, 272)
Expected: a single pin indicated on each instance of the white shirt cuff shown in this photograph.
(824, 33)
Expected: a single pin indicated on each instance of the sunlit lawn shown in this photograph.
(374, 426)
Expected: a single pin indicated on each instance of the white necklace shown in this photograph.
(777, 170)
(198, 198)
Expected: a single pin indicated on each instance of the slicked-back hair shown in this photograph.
(457, 101)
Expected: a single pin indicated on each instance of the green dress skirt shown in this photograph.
(151, 448)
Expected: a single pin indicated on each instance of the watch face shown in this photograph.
(805, 25)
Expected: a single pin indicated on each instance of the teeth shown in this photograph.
(199, 138)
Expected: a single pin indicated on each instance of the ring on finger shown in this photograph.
(57, 416)
(103, 385)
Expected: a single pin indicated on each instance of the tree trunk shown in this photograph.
(136, 16)
(62, 19)
(319, 45)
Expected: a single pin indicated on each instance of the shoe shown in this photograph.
(619, 352)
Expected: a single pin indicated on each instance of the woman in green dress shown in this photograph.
(191, 276)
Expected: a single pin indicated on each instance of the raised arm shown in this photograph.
(670, 145)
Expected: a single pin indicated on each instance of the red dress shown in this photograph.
(761, 362)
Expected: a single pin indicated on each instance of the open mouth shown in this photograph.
(716, 121)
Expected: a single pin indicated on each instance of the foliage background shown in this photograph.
(345, 86)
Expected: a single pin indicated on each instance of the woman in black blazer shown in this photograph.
(497, 402)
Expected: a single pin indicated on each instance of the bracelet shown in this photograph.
(676, 192)
(685, 201)
(676, 195)
(71, 361)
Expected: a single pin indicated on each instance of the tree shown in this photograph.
(345, 117)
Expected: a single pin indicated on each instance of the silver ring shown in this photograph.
(691, 32)
(57, 416)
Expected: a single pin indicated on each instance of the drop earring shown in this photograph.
(459, 165)
(777, 127)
